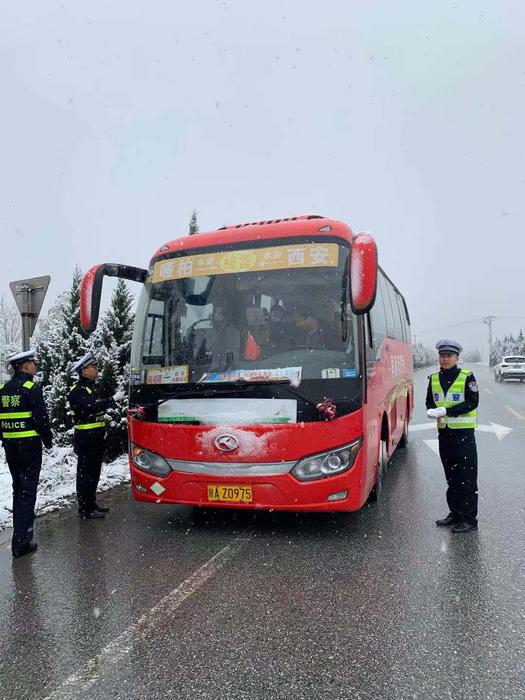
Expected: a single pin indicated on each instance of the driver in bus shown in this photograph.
(221, 344)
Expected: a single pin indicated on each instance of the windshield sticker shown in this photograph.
(281, 374)
(283, 257)
(168, 375)
(331, 373)
(227, 412)
(349, 372)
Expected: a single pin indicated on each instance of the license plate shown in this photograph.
(224, 493)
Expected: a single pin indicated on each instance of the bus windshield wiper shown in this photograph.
(285, 383)
(209, 389)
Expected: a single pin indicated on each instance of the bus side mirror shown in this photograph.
(91, 289)
(363, 273)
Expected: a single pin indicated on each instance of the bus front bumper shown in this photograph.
(342, 492)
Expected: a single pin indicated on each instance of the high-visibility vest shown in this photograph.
(16, 424)
(99, 421)
(454, 396)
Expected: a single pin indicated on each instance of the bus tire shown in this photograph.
(403, 442)
(375, 493)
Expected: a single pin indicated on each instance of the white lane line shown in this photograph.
(515, 413)
(488, 391)
(115, 651)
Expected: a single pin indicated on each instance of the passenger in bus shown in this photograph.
(309, 332)
(220, 344)
(279, 334)
(257, 332)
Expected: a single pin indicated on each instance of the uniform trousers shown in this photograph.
(90, 451)
(24, 458)
(458, 452)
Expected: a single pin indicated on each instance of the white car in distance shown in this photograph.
(510, 367)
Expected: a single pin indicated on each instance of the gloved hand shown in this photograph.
(118, 395)
(437, 412)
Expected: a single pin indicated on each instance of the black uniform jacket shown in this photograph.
(446, 378)
(17, 398)
(85, 401)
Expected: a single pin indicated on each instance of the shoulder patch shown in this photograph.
(473, 386)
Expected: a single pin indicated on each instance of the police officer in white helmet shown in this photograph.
(452, 400)
(24, 426)
(89, 408)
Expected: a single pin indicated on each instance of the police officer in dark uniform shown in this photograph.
(452, 399)
(90, 429)
(24, 426)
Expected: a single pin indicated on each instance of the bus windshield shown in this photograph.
(278, 313)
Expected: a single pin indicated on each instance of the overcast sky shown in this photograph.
(402, 118)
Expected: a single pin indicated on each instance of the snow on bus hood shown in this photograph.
(250, 445)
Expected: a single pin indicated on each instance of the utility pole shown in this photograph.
(488, 322)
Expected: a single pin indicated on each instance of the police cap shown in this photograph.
(86, 361)
(20, 357)
(449, 345)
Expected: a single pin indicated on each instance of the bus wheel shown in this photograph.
(404, 438)
(375, 493)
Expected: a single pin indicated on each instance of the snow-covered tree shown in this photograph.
(10, 334)
(194, 226)
(508, 346)
(60, 342)
(112, 346)
(422, 356)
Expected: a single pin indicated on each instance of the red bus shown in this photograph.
(271, 367)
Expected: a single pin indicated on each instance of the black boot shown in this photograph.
(94, 515)
(465, 527)
(28, 548)
(451, 519)
(101, 509)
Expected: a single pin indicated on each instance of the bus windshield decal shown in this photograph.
(284, 257)
(281, 374)
(226, 412)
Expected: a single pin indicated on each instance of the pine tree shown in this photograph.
(112, 345)
(60, 342)
(194, 226)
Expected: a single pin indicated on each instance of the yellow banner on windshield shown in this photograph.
(283, 257)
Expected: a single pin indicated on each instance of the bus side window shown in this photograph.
(398, 319)
(390, 325)
(402, 317)
(378, 318)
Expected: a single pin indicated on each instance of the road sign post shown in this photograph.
(29, 295)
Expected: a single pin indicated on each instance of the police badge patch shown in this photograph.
(473, 386)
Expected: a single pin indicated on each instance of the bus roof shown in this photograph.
(277, 228)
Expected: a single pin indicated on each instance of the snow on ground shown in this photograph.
(57, 481)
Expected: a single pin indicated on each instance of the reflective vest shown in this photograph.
(15, 422)
(98, 422)
(455, 395)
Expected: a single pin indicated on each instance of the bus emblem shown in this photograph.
(226, 443)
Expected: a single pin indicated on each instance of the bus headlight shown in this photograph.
(149, 461)
(327, 464)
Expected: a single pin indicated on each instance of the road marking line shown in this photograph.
(488, 391)
(115, 651)
(514, 412)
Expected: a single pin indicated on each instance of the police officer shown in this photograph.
(88, 409)
(452, 399)
(24, 426)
